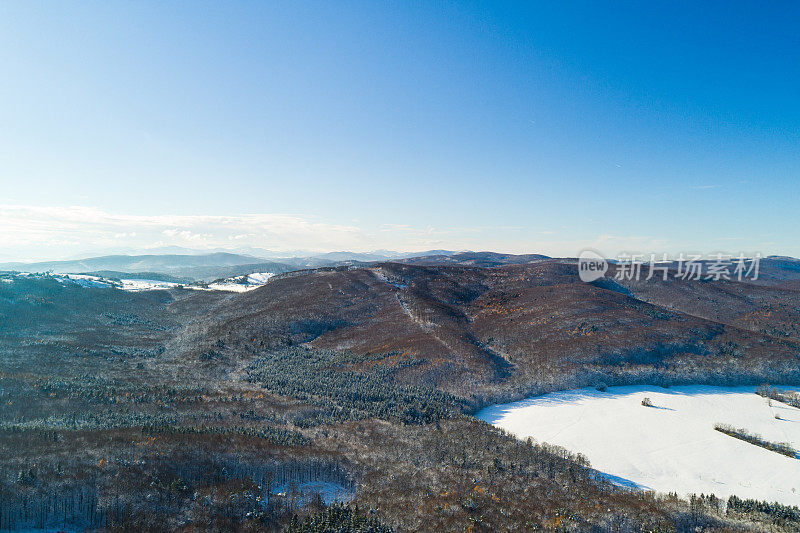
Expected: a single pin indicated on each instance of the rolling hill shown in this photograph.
(484, 333)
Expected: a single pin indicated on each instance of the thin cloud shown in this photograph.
(29, 233)
(50, 231)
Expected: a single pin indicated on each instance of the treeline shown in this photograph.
(337, 519)
(225, 488)
(104, 421)
(113, 391)
(774, 511)
(73, 507)
(341, 391)
(742, 434)
(276, 435)
(789, 398)
(556, 378)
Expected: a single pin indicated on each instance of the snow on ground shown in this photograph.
(229, 286)
(85, 280)
(132, 285)
(253, 281)
(329, 491)
(145, 284)
(259, 278)
(240, 284)
(671, 447)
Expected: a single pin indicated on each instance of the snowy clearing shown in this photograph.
(229, 286)
(84, 280)
(259, 278)
(145, 284)
(242, 284)
(132, 285)
(236, 284)
(329, 491)
(671, 446)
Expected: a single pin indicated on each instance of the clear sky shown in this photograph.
(531, 127)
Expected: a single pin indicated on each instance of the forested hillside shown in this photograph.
(488, 334)
(343, 396)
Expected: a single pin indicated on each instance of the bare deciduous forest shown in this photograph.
(341, 399)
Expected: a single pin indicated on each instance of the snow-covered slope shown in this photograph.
(672, 446)
(133, 285)
(145, 284)
(236, 284)
(242, 284)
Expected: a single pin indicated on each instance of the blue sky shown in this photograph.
(530, 127)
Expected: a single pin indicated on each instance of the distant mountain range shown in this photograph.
(192, 266)
(210, 266)
(225, 264)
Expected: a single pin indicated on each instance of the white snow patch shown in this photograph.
(135, 285)
(85, 280)
(671, 447)
(240, 284)
(229, 286)
(329, 491)
(259, 278)
(252, 281)
(132, 285)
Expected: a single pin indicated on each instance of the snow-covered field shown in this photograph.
(253, 281)
(259, 278)
(84, 280)
(240, 284)
(134, 285)
(145, 284)
(672, 446)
